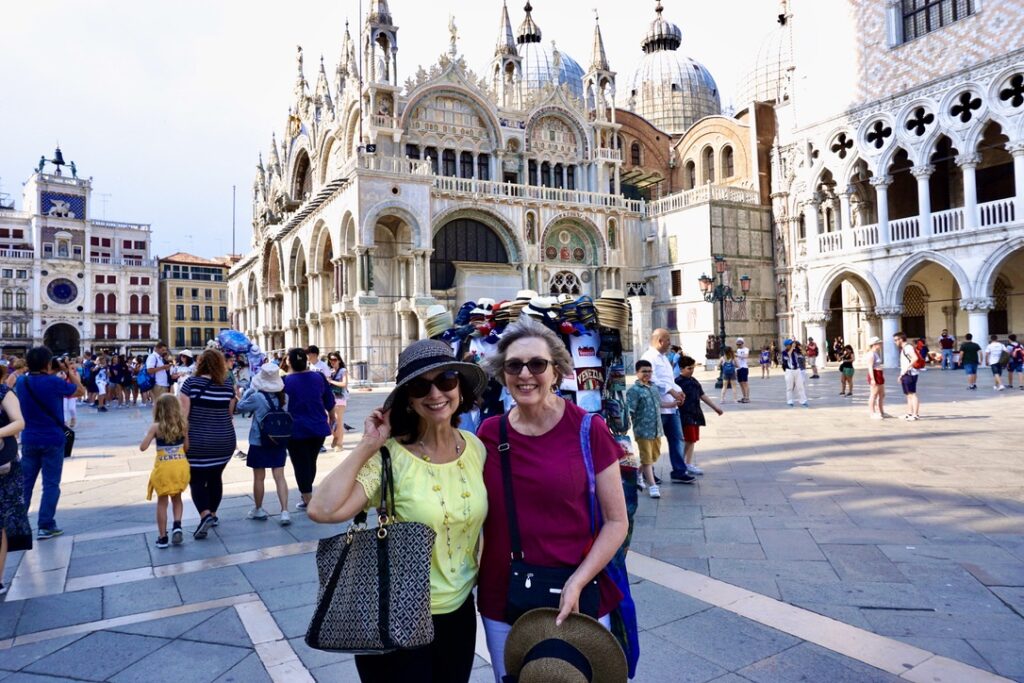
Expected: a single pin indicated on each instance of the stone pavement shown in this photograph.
(820, 545)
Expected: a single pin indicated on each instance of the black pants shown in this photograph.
(304, 453)
(207, 487)
(449, 659)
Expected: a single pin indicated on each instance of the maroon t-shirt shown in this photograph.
(549, 478)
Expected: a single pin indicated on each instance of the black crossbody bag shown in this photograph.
(69, 433)
(531, 586)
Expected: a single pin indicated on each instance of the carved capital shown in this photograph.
(968, 160)
(922, 171)
(1016, 148)
(978, 305)
(889, 311)
(881, 181)
(818, 317)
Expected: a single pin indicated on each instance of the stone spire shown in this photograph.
(599, 61)
(379, 12)
(300, 78)
(275, 160)
(529, 32)
(323, 88)
(506, 45)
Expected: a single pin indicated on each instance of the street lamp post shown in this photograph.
(720, 293)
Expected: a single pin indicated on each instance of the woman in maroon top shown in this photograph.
(549, 483)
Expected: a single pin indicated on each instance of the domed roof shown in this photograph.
(669, 89)
(543, 64)
(766, 80)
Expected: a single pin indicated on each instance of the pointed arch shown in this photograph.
(899, 279)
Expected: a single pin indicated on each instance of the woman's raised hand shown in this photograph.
(377, 428)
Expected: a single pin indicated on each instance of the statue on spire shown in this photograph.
(453, 33)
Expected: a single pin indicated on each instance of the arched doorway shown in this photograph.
(467, 240)
(62, 338)
(930, 299)
(851, 300)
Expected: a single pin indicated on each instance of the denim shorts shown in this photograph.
(971, 368)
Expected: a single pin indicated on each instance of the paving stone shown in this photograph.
(97, 656)
(855, 594)
(997, 573)
(281, 571)
(139, 596)
(730, 678)
(258, 535)
(861, 563)
(774, 569)
(54, 611)
(724, 638)
(928, 624)
(21, 656)
(679, 517)
(737, 551)
(212, 584)
(290, 596)
(168, 627)
(954, 648)
(224, 628)
(249, 670)
(10, 612)
(729, 530)
(346, 671)
(661, 660)
(975, 553)
(810, 662)
(314, 659)
(188, 551)
(32, 678)
(1011, 596)
(294, 621)
(952, 589)
(847, 614)
(662, 605)
(1006, 657)
(184, 661)
(789, 544)
(108, 555)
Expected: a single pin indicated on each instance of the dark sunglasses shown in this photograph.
(536, 366)
(420, 387)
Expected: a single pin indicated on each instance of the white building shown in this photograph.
(71, 281)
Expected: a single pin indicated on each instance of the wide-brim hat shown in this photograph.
(581, 649)
(428, 355)
(438, 320)
(185, 352)
(739, 340)
(874, 340)
(268, 379)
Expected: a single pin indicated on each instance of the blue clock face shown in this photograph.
(62, 291)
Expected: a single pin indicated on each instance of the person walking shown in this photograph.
(997, 358)
(691, 412)
(766, 362)
(812, 357)
(208, 404)
(102, 384)
(910, 362)
(846, 371)
(264, 395)
(15, 529)
(438, 475)
(1016, 364)
(644, 404)
(793, 369)
(310, 402)
(671, 398)
(337, 377)
(535, 453)
(170, 475)
(158, 364)
(876, 379)
(743, 369)
(946, 346)
(970, 357)
(42, 394)
(728, 373)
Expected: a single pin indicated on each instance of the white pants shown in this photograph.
(497, 632)
(70, 409)
(796, 386)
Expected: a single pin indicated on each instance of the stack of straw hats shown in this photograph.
(439, 319)
(612, 310)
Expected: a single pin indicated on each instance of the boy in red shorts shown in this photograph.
(690, 411)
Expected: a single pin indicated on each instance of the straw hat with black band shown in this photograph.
(428, 355)
(580, 650)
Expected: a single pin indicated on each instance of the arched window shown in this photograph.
(111, 303)
(612, 233)
(464, 239)
(565, 282)
(8, 302)
(483, 167)
(532, 173)
(145, 304)
(690, 176)
(709, 165)
(545, 174)
(998, 320)
(634, 154)
(21, 299)
(466, 165)
(728, 164)
(431, 154)
(558, 176)
(101, 304)
(133, 303)
(448, 162)
(302, 184)
(570, 178)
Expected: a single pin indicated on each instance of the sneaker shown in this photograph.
(177, 536)
(240, 455)
(323, 449)
(1001, 388)
(657, 479)
(654, 491)
(910, 418)
(683, 478)
(693, 469)
(805, 404)
(789, 403)
(102, 409)
(640, 483)
(876, 416)
(44, 534)
(300, 506)
(216, 520)
(285, 519)
(162, 542)
(258, 514)
(204, 527)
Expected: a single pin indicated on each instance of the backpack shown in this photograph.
(1017, 353)
(144, 380)
(86, 373)
(728, 369)
(276, 425)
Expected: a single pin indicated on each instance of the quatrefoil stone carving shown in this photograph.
(842, 146)
(919, 122)
(878, 134)
(965, 107)
(1014, 94)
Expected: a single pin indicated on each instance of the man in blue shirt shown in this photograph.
(41, 396)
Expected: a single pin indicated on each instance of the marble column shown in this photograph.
(360, 260)
(417, 275)
(1016, 149)
(812, 223)
(814, 323)
(890, 325)
(977, 317)
(881, 185)
(968, 164)
(845, 214)
(924, 198)
(403, 327)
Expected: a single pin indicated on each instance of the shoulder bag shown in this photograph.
(9, 444)
(531, 586)
(374, 582)
(69, 433)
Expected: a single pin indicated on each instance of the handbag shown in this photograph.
(9, 444)
(374, 592)
(531, 586)
(69, 433)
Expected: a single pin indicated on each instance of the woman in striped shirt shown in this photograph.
(208, 401)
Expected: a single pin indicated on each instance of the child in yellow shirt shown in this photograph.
(170, 475)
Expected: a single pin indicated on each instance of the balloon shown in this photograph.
(233, 340)
(567, 327)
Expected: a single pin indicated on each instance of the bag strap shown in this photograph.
(510, 500)
(588, 462)
(46, 409)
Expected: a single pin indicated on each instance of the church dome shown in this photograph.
(669, 89)
(767, 79)
(543, 64)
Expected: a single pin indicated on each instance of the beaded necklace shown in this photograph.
(459, 539)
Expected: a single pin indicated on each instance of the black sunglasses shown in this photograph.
(536, 366)
(420, 387)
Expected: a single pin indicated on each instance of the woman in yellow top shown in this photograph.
(438, 474)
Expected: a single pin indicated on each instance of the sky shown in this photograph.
(166, 105)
